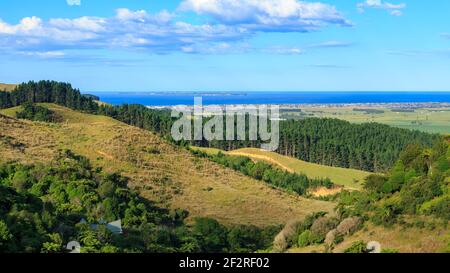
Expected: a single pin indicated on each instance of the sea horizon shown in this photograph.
(174, 98)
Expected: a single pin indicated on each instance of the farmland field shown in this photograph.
(431, 120)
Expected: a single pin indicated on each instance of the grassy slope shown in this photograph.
(161, 172)
(7, 87)
(349, 178)
(405, 240)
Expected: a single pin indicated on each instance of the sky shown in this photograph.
(228, 45)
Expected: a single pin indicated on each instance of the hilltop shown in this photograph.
(161, 172)
(7, 87)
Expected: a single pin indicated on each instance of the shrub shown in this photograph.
(304, 239)
(375, 182)
(245, 239)
(357, 247)
(349, 225)
(321, 227)
(285, 238)
(211, 235)
(440, 206)
(36, 113)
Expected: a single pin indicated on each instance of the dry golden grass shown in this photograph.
(161, 172)
(323, 191)
(405, 240)
(7, 87)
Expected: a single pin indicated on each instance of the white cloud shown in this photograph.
(268, 15)
(284, 50)
(331, 44)
(393, 9)
(27, 25)
(162, 33)
(396, 13)
(157, 33)
(73, 2)
(83, 23)
(44, 54)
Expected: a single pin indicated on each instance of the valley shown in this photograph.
(161, 172)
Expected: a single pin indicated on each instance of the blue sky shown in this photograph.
(228, 45)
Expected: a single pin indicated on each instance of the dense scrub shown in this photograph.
(293, 182)
(315, 229)
(42, 209)
(418, 184)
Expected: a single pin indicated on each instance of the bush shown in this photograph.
(440, 206)
(36, 113)
(246, 239)
(349, 225)
(285, 238)
(304, 239)
(357, 247)
(375, 182)
(330, 237)
(211, 235)
(321, 227)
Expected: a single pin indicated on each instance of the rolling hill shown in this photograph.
(160, 172)
(349, 178)
(7, 87)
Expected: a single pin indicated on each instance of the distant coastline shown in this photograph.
(407, 105)
(169, 99)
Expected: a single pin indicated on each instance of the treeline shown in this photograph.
(370, 146)
(418, 184)
(157, 121)
(292, 182)
(42, 208)
(48, 91)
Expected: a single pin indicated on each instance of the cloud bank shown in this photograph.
(268, 15)
(226, 25)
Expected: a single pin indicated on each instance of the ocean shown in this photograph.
(222, 98)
